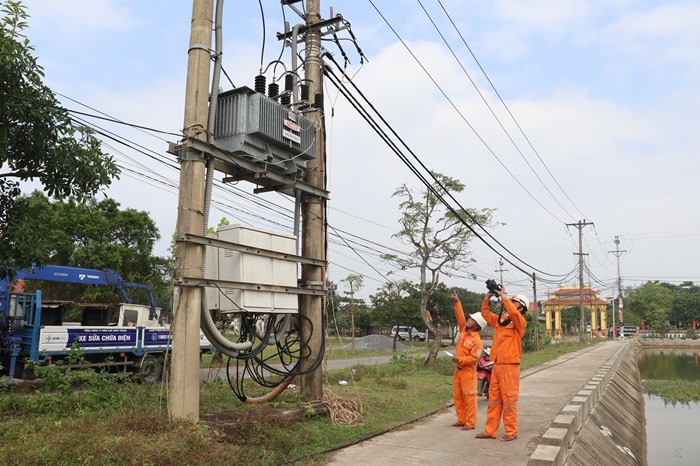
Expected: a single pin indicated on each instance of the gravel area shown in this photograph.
(376, 343)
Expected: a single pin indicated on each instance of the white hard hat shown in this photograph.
(522, 300)
(479, 319)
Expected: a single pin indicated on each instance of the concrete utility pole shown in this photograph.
(500, 269)
(618, 252)
(536, 310)
(313, 213)
(183, 389)
(580, 224)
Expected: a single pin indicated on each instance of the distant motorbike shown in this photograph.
(483, 372)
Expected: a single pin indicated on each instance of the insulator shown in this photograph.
(260, 81)
(318, 101)
(288, 82)
(304, 92)
(273, 90)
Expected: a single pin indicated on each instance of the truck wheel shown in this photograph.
(151, 370)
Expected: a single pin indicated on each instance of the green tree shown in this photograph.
(332, 303)
(97, 235)
(650, 302)
(443, 309)
(38, 140)
(686, 305)
(439, 239)
(354, 281)
(570, 317)
(396, 304)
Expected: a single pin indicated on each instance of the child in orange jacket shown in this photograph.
(467, 353)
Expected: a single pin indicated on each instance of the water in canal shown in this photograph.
(673, 429)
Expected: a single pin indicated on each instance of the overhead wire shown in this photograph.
(363, 112)
(459, 112)
(508, 110)
(493, 113)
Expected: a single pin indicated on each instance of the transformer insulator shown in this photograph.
(304, 92)
(286, 99)
(288, 82)
(318, 101)
(260, 81)
(273, 90)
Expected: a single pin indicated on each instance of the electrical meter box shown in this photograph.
(250, 267)
(252, 124)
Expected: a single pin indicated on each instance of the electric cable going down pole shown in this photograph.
(618, 252)
(313, 215)
(580, 224)
(183, 386)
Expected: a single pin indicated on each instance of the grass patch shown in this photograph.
(124, 423)
(334, 350)
(551, 352)
(674, 391)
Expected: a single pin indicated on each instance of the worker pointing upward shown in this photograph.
(467, 353)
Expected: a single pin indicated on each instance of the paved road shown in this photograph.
(544, 390)
(220, 372)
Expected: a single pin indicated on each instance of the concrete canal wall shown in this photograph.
(615, 430)
(604, 422)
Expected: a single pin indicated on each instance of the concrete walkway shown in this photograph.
(544, 391)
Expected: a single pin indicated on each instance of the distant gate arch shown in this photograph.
(564, 297)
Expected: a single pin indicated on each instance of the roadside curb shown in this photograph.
(555, 443)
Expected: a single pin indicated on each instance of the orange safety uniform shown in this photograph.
(506, 352)
(468, 351)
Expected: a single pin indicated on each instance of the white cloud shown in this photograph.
(76, 18)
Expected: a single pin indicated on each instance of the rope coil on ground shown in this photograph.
(342, 411)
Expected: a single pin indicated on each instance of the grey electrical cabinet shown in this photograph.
(236, 266)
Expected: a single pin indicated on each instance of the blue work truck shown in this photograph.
(130, 338)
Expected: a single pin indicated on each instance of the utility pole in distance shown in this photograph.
(313, 215)
(500, 269)
(618, 253)
(183, 387)
(537, 311)
(580, 224)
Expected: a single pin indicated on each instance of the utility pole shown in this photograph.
(537, 311)
(183, 387)
(500, 269)
(580, 224)
(313, 214)
(618, 252)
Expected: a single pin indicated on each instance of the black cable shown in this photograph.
(338, 83)
(510, 138)
(476, 133)
(508, 109)
(105, 117)
(262, 49)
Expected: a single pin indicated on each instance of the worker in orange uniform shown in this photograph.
(506, 351)
(467, 353)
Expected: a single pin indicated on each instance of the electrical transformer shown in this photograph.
(252, 124)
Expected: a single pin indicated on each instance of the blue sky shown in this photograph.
(606, 91)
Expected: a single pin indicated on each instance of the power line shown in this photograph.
(510, 138)
(454, 106)
(358, 106)
(508, 109)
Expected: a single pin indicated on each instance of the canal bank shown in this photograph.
(544, 391)
(605, 422)
(615, 430)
